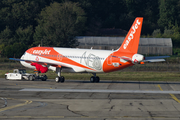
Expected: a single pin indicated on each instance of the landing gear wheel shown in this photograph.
(62, 79)
(57, 79)
(30, 78)
(34, 77)
(43, 77)
(97, 79)
(92, 79)
(6, 77)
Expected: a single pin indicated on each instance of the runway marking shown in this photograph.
(18, 105)
(55, 116)
(22, 116)
(100, 91)
(173, 96)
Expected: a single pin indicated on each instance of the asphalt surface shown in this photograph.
(82, 100)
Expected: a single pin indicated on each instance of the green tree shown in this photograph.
(20, 13)
(6, 36)
(17, 22)
(2, 50)
(168, 13)
(148, 9)
(14, 50)
(24, 35)
(59, 23)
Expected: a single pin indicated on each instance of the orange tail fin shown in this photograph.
(131, 42)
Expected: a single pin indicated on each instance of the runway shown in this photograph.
(82, 100)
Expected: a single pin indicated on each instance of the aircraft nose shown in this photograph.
(22, 57)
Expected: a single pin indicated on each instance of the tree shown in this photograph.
(148, 9)
(17, 23)
(169, 13)
(59, 23)
(20, 13)
(24, 35)
(2, 50)
(6, 36)
(14, 50)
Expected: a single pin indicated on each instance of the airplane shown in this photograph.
(88, 60)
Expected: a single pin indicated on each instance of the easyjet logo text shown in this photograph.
(41, 51)
(131, 35)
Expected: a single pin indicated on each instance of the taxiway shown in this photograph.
(82, 100)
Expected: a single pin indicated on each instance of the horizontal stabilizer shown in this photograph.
(155, 59)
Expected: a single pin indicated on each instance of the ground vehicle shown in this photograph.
(19, 74)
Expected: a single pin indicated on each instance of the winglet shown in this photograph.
(131, 42)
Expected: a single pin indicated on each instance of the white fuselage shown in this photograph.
(87, 57)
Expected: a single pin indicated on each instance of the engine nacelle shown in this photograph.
(40, 68)
(137, 58)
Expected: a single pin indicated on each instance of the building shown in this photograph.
(147, 46)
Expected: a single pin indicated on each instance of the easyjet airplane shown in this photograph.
(88, 60)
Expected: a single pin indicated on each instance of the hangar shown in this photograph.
(147, 46)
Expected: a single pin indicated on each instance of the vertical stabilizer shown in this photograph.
(131, 42)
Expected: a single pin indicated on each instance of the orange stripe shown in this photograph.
(51, 51)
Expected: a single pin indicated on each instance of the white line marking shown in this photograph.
(99, 91)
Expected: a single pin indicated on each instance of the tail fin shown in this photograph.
(131, 42)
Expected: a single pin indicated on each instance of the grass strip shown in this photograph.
(120, 75)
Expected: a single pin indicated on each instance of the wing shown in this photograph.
(155, 59)
(41, 63)
(48, 63)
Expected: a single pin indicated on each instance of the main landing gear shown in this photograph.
(59, 78)
(94, 78)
